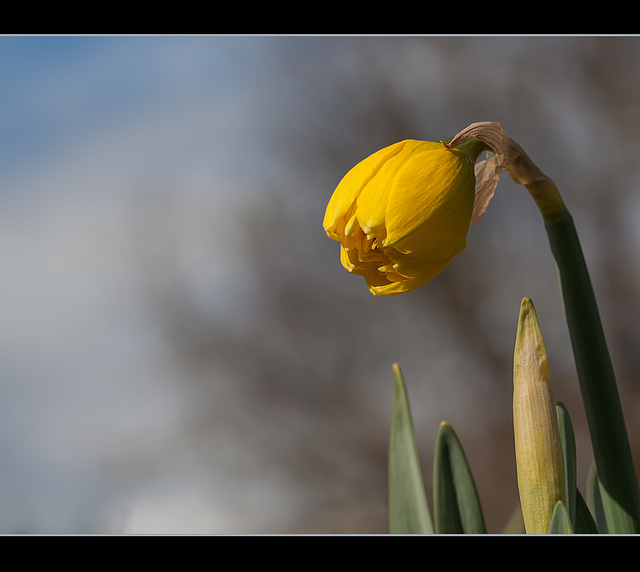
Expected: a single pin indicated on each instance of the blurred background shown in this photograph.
(180, 348)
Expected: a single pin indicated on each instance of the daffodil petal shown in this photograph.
(402, 214)
(342, 202)
(434, 188)
(374, 198)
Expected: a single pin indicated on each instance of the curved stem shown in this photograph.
(619, 485)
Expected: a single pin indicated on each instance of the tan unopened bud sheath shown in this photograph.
(539, 460)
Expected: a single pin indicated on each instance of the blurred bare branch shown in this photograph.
(311, 361)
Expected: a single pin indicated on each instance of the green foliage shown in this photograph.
(584, 522)
(560, 522)
(569, 451)
(595, 500)
(579, 516)
(456, 505)
(408, 509)
(616, 474)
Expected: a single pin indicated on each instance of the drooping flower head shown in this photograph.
(402, 214)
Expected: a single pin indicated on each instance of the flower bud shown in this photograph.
(539, 459)
(402, 214)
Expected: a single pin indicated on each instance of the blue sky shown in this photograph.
(58, 89)
(90, 126)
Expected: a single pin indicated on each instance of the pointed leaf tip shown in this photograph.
(408, 508)
(456, 504)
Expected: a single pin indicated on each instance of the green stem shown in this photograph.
(595, 372)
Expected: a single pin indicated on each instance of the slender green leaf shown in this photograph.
(616, 472)
(560, 523)
(569, 452)
(584, 523)
(408, 508)
(594, 500)
(456, 506)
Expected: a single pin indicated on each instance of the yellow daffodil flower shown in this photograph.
(539, 458)
(402, 214)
